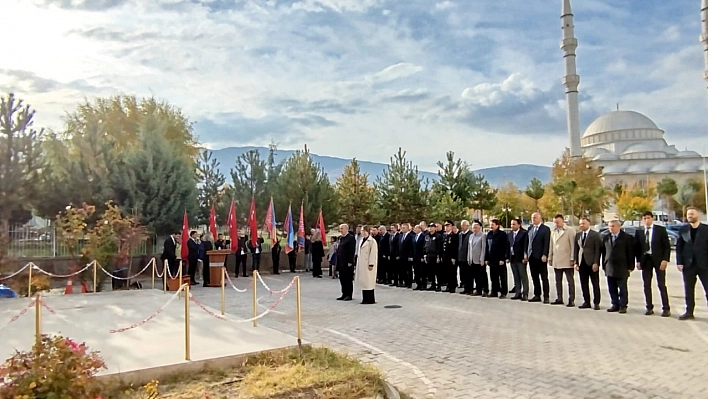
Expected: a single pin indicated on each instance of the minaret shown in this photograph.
(571, 79)
(704, 36)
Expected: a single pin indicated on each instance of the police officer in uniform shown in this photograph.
(433, 252)
(450, 248)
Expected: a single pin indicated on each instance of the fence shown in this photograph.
(44, 241)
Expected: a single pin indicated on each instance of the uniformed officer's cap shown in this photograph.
(450, 222)
(432, 224)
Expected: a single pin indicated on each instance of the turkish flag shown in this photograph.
(184, 252)
(252, 223)
(212, 223)
(233, 228)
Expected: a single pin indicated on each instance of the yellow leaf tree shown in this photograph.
(631, 205)
(577, 187)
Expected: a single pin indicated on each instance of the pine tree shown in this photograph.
(535, 191)
(153, 181)
(211, 187)
(444, 206)
(20, 166)
(399, 191)
(303, 181)
(484, 196)
(454, 179)
(356, 198)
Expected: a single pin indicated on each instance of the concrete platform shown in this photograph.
(147, 352)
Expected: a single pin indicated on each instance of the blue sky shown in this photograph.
(359, 78)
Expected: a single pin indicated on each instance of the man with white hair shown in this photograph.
(345, 262)
(617, 254)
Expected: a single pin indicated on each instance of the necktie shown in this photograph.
(584, 236)
(614, 238)
(532, 235)
(647, 241)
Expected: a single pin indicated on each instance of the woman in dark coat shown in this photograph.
(292, 257)
(317, 252)
(275, 253)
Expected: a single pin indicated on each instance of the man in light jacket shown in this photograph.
(475, 257)
(561, 256)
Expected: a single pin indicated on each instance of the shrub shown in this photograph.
(40, 282)
(57, 368)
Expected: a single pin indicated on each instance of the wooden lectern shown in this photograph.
(217, 261)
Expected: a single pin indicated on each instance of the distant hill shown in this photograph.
(497, 176)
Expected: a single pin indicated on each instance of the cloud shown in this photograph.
(359, 78)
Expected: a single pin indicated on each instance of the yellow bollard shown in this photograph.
(37, 321)
(164, 280)
(223, 291)
(95, 274)
(186, 322)
(154, 269)
(299, 314)
(255, 298)
(29, 283)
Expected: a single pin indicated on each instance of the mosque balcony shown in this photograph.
(570, 43)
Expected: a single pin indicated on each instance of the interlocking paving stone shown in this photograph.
(440, 345)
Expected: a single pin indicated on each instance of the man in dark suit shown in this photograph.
(421, 282)
(463, 247)
(433, 253)
(653, 251)
(345, 262)
(219, 243)
(193, 258)
(451, 248)
(169, 253)
(393, 255)
(256, 251)
(588, 246)
(384, 255)
(692, 258)
(618, 262)
(495, 258)
(518, 243)
(539, 245)
(405, 257)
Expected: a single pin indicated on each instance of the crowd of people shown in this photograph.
(445, 258)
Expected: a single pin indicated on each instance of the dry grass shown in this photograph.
(320, 374)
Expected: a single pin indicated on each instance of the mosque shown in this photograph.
(628, 147)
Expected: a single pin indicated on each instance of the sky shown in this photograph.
(361, 78)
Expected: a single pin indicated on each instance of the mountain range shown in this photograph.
(497, 176)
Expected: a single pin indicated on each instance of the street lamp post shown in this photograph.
(506, 210)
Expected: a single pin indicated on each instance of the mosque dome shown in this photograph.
(606, 156)
(620, 120)
(637, 149)
(687, 167)
(688, 154)
(638, 169)
(613, 170)
(662, 168)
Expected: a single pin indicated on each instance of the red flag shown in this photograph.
(252, 223)
(301, 230)
(233, 228)
(269, 222)
(212, 223)
(184, 252)
(321, 226)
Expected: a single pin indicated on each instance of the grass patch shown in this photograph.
(320, 374)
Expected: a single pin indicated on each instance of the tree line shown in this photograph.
(143, 156)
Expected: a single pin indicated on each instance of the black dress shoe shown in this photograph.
(341, 298)
(516, 297)
(623, 310)
(665, 313)
(347, 299)
(524, 297)
(649, 312)
(596, 307)
(431, 288)
(613, 309)
(502, 296)
(492, 296)
(686, 316)
(585, 305)
(570, 305)
(438, 289)
(535, 299)
(464, 293)
(557, 302)
(546, 301)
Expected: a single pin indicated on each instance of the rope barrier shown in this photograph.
(232, 284)
(19, 271)
(125, 278)
(152, 316)
(65, 275)
(223, 318)
(157, 273)
(18, 315)
(272, 291)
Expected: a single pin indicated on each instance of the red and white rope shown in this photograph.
(19, 271)
(232, 284)
(152, 316)
(278, 291)
(125, 278)
(65, 275)
(18, 315)
(44, 305)
(268, 310)
(157, 270)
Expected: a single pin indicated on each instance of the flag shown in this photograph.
(212, 223)
(288, 227)
(270, 223)
(301, 231)
(184, 252)
(321, 226)
(233, 228)
(252, 223)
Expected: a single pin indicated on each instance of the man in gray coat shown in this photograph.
(475, 257)
(588, 245)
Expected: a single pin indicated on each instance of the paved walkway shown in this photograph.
(441, 345)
